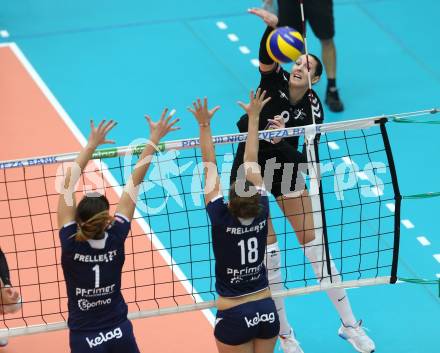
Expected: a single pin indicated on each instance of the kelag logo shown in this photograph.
(104, 337)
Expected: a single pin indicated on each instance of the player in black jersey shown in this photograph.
(294, 104)
(92, 250)
(247, 320)
(10, 300)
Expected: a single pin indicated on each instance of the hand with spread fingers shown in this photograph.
(256, 103)
(98, 134)
(201, 112)
(161, 128)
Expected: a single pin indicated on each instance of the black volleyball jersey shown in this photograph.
(276, 85)
(92, 270)
(238, 249)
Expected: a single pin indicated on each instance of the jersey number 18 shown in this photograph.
(252, 250)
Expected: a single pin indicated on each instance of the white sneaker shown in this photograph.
(289, 344)
(357, 337)
(3, 341)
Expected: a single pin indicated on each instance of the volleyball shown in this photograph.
(285, 44)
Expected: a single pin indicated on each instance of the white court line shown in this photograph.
(422, 240)
(244, 49)
(232, 37)
(221, 25)
(437, 257)
(83, 141)
(333, 145)
(438, 275)
(255, 62)
(4, 33)
(407, 223)
(391, 207)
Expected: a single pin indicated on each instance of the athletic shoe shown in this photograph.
(357, 337)
(288, 344)
(3, 341)
(333, 101)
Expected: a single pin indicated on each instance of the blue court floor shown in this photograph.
(124, 59)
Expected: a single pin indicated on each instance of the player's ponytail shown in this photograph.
(92, 217)
(242, 205)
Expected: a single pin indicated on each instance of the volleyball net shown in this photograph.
(169, 263)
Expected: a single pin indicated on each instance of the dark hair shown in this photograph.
(319, 68)
(244, 206)
(92, 216)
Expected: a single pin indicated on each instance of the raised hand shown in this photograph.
(98, 134)
(162, 127)
(201, 112)
(256, 104)
(269, 18)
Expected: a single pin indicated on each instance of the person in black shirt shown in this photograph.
(10, 300)
(294, 104)
(319, 14)
(92, 250)
(247, 320)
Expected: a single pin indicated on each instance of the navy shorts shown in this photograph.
(244, 322)
(117, 339)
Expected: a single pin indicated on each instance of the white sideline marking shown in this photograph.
(4, 33)
(391, 207)
(221, 25)
(438, 275)
(233, 37)
(347, 160)
(422, 240)
(244, 49)
(255, 62)
(407, 223)
(333, 145)
(437, 257)
(82, 140)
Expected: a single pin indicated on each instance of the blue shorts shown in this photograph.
(244, 322)
(117, 339)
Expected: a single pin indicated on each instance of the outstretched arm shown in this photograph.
(266, 62)
(253, 109)
(203, 116)
(127, 203)
(66, 200)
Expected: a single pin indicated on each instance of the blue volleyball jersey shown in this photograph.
(92, 271)
(238, 249)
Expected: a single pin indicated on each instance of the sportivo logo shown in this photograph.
(104, 337)
(270, 318)
(85, 305)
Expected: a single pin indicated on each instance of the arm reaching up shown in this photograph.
(203, 116)
(158, 130)
(253, 109)
(66, 200)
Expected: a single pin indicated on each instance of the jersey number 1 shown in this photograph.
(252, 250)
(96, 270)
